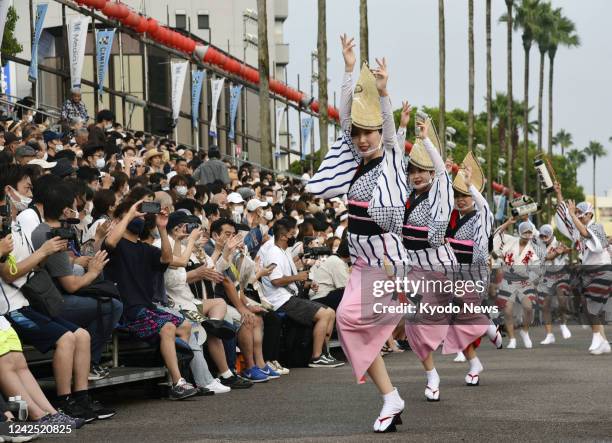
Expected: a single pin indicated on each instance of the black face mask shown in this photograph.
(291, 241)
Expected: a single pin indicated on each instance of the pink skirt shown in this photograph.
(361, 330)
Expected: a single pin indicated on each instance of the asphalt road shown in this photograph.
(554, 393)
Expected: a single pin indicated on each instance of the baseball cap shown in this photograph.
(63, 168)
(180, 217)
(254, 204)
(234, 197)
(10, 137)
(42, 163)
(50, 135)
(25, 151)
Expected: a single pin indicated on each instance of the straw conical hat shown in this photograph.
(365, 111)
(418, 155)
(478, 179)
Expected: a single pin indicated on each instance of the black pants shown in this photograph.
(272, 336)
(332, 299)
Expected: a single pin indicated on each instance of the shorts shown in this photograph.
(233, 317)
(301, 311)
(9, 342)
(149, 322)
(38, 330)
(516, 290)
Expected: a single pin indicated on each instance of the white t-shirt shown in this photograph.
(278, 296)
(28, 220)
(330, 273)
(21, 251)
(4, 324)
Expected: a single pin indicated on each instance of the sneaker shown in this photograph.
(526, 339)
(18, 437)
(332, 360)
(204, 392)
(511, 344)
(97, 372)
(565, 332)
(604, 348)
(460, 358)
(236, 382)
(596, 342)
(182, 390)
(217, 387)
(60, 418)
(271, 373)
(102, 413)
(218, 328)
(255, 375)
(78, 422)
(279, 368)
(321, 362)
(549, 340)
(70, 407)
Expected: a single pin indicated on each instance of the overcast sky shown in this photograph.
(406, 32)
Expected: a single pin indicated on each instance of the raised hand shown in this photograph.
(53, 245)
(98, 261)
(161, 219)
(423, 128)
(348, 44)
(405, 114)
(467, 175)
(382, 76)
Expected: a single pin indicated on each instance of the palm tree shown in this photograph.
(471, 75)
(509, 6)
(576, 158)
(545, 18)
(264, 85)
(595, 150)
(322, 56)
(526, 18)
(564, 140)
(442, 73)
(563, 33)
(489, 109)
(363, 32)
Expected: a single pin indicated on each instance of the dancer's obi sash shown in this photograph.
(359, 221)
(463, 249)
(414, 238)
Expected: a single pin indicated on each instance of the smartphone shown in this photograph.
(150, 207)
(421, 117)
(271, 266)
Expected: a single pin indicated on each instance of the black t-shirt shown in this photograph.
(136, 268)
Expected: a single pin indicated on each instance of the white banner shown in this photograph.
(280, 111)
(4, 5)
(77, 35)
(216, 89)
(178, 71)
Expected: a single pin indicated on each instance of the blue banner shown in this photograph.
(501, 208)
(234, 100)
(104, 46)
(41, 11)
(197, 80)
(306, 128)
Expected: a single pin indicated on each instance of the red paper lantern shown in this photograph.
(142, 26)
(111, 9)
(211, 55)
(131, 20)
(243, 71)
(98, 4)
(407, 147)
(232, 66)
(161, 35)
(152, 26)
(253, 76)
(314, 106)
(222, 59)
(190, 45)
(455, 168)
(123, 11)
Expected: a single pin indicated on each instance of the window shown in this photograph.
(181, 20)
(203, 22)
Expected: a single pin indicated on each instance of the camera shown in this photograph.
(65, 232)
(5, 215)
(316, 252)
(150, 207)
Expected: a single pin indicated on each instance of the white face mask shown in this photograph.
(30, 118)
(294, 198)
(45, 157)
(181, 190)
(238, 209)
(23, 202)
(100, 163)
(330, 235)
(59, 148)
(268, 215)
(109, 127)
(270, 200)
(370, 151)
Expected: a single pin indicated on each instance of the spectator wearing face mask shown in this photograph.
(257, 211)
(104, 123)
(74, 107)
(235, 204)
(93, 155)
(331, 274)
(178, 188)
(53, 140)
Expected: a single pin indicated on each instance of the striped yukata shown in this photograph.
(596, 268)
(421, 221)
(469, 235)
(361, 331)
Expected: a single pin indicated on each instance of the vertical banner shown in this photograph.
(104, 45)
(501, 208)
(178, 72)
(77, 35)
(234, 100)
(280, 111)
(197, 80)
(306, 127)
(41, 11)
(216, 88)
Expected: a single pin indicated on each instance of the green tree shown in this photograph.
(510, 158)
(10, 45)
(545, 19)
(595, 150)
(564, 140)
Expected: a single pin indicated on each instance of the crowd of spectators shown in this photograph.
(105, 229)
